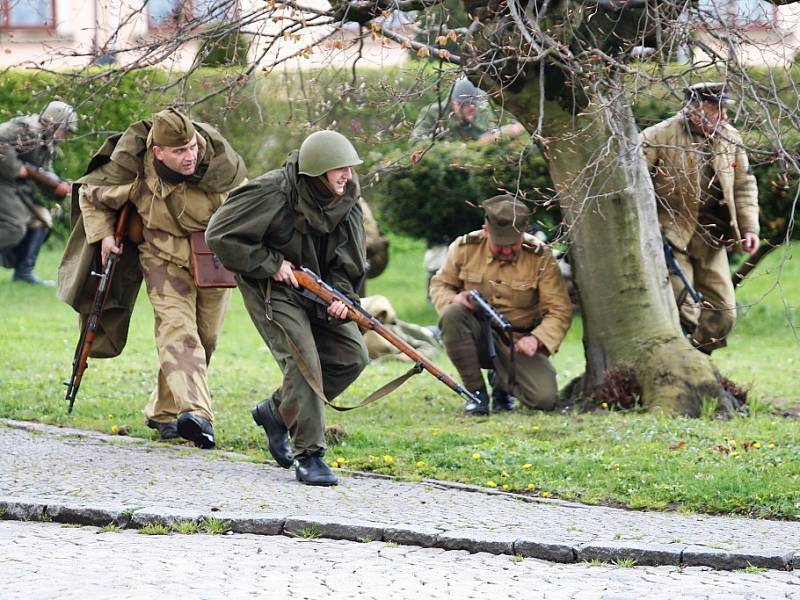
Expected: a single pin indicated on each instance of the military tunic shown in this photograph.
(529, 291)
(281, 216)
(187, 319)
(440, 122)
(707, 200)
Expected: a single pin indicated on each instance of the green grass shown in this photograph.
(747, 465)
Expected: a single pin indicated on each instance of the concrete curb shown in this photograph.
(554, 550)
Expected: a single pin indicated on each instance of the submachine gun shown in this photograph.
(674, 268)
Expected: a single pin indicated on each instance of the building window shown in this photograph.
(28, 14)
(169, 13)
(739, 13)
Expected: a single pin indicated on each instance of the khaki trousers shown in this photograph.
(187, 324)
(707, 268)
(333, 350)
(535, 377)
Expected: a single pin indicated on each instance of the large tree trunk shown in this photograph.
(606, 196)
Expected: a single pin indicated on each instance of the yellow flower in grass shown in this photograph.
(505, 486)
(770, 445)
(545, 494)
(491, 484)
(535, 428)
(388, 459)
(531, 486)
(527, 466)
(114, 428)
(476, 456)
(734, 454)
(420, 464)
(756, 445)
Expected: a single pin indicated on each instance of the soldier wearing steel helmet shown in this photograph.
(305, 213)
(707, 202)
(27, 144)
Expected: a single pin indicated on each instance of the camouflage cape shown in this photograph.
(120, 161)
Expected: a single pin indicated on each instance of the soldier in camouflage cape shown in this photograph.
(176, 173)
(25, 223)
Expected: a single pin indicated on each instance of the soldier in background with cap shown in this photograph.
(304, 214)
(707, 204)
(28, 144)
(518, 275)
(176, 173)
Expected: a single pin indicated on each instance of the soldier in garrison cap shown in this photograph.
(28, 144)
(707, 202)
(176, 173)
(304, 214)
(518, 275)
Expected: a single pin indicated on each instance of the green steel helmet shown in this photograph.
(324, 151)
(59, 113)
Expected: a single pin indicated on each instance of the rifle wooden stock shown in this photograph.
(314, 284)
(80, 362)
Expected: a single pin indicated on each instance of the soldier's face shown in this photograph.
(506, 252)
(707, 116)
(337, 179)
(468, 112)
(181, 159)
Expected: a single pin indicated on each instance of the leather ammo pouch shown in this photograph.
(208, 270)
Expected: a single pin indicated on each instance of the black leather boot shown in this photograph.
(312, 470)
(196, 429)
(501, 400)
(277, 434)
(166, 431)
(27, 252)
(479, 407)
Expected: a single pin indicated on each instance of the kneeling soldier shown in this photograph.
(521, 279)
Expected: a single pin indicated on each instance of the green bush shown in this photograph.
(436, 199)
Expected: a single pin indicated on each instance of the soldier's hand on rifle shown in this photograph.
(750, 243)
(285, 275)
(23, 172)
(337, 309)
(62, 189)
(107, 246)
(463, 299)
(527, 345)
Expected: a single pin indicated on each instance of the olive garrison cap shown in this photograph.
(707, 92)
(172, 129)
(506, 219)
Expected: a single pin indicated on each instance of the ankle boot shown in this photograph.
(26, 254)
(501, 400)
(481, 405)
(312, 470)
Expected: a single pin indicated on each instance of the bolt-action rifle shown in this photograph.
(327, 294)
(81, 360)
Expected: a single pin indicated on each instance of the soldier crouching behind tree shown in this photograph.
(518, 275)
(304, 214)
(175, 173)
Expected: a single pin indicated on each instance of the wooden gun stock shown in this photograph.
(80, 362)
(326, 293)
(43, 176)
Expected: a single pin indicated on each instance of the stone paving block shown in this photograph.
(21, 510)
(333, 529)
(88, 515)
(475, 541)
(645, 554)
(410, 536)
(553, 550)
(775, 558)
(162, 515)
(257, 524)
